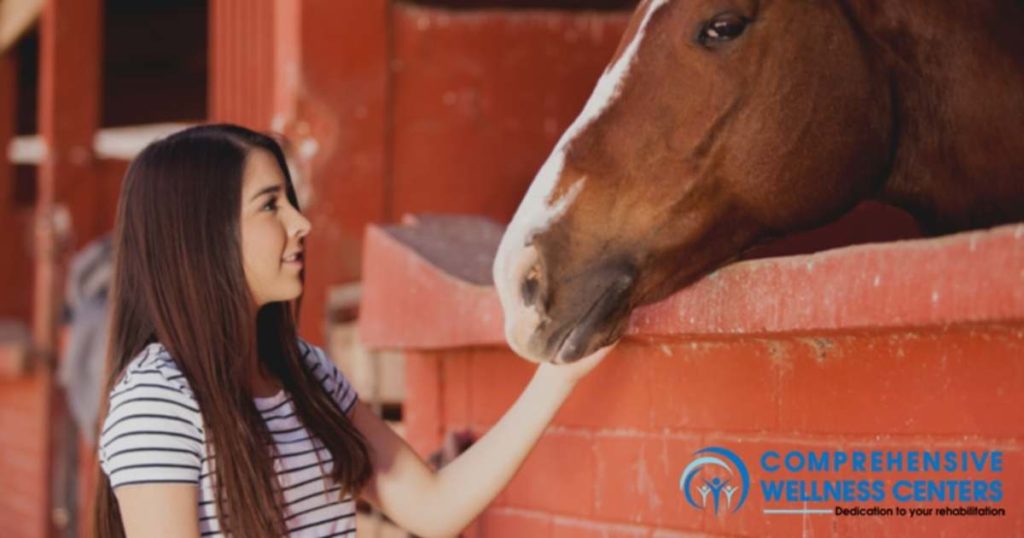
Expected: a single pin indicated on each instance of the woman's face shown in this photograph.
(272, 232)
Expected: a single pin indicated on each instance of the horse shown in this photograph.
(719, 124)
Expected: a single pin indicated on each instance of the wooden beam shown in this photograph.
(113, 143)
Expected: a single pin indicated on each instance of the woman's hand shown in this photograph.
(572, 372)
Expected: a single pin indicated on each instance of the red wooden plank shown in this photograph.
(967, 278)
(69, 97)
(632, 425)
(409, 303)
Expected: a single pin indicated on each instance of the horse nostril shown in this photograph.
(530, 288)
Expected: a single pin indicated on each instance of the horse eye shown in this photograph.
(722, 28)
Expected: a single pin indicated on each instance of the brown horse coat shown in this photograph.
(721, 123)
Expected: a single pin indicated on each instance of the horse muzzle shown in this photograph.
(557, 320)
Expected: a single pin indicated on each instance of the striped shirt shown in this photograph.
(153, 433)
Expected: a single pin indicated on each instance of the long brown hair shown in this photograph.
(179, 280)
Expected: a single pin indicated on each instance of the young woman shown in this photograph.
(220, 419)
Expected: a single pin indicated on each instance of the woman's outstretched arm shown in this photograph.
(440, 504)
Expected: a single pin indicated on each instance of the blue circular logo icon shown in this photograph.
(727, 492)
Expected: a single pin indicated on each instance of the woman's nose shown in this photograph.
(299, 225)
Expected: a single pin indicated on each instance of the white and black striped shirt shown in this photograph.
(154, 433)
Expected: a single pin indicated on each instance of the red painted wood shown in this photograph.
(804, 352)
(343, 102)
(69, 97)
(8, 106)
(22, 398)
(612, 458)
(481, 97)
(15, 295)
(320, 77)
(407, 302)
(242, 68)
(918, 283)
(23, 442)
(88, 474)
(424, 421)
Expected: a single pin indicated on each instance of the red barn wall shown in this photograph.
(903, 346)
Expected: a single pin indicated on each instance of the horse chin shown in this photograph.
(601, 324)
(583, 340)
(591, 312)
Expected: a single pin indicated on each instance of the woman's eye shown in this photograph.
(722, 28)
(271, 205)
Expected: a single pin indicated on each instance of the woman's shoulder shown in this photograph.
(310, 353)
(330, 376)
(153, 371)
(316, 359)
(153, 430)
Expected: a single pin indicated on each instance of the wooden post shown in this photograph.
(241, 74)
(8, 94)
(317, 71)
(69, 98)
(342, 125)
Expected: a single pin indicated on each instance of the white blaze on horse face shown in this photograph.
(538, 210)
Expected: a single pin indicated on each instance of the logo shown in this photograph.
(717, 475)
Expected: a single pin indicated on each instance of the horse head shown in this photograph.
(717, 124)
